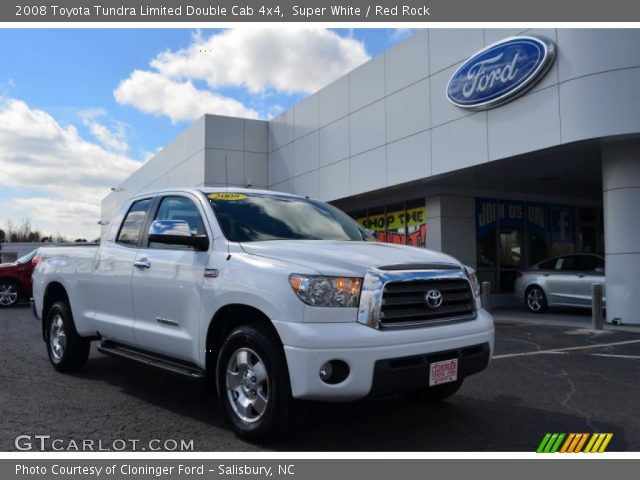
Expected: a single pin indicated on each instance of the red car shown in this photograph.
(15, 279)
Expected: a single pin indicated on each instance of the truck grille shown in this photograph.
(428, 302)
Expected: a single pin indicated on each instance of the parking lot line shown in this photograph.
(566, 349)
(613, 355)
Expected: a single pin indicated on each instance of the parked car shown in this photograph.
(15, 279)
(563, 281)
(275, 298)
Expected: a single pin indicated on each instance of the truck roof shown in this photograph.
(208, 190)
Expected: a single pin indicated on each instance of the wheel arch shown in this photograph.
(54, 292)
(226, 319)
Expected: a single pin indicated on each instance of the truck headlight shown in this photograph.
(473, 278)
(320, 291)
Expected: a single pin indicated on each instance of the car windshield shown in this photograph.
(256, 217)
(27, 258)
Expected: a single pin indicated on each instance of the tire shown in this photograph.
(535, 299)
(9, 293)
(438, 393)
(253, 386)
(68, 351)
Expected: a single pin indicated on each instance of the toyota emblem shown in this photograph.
(433, 298)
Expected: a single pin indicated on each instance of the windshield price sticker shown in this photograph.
(227, 196)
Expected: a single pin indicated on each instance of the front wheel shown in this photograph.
(253, 385)
(536, 300)
(68, 351)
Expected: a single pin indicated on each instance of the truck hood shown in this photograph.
(344, 258)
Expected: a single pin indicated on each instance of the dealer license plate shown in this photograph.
(445, 371)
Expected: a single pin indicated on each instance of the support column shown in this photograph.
(621, 197)
(451, 226)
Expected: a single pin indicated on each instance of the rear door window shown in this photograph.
(132, 226)
(588, 263)
(568, 263)
(548, 265)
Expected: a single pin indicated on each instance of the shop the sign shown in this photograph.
(500, 72)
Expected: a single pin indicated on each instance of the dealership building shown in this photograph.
(501, 147)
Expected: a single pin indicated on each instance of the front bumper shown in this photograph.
(366, 351)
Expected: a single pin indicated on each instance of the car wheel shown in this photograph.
(68, 351)
(9, 294)
(536, 300)
(438, 393)
(253, 385)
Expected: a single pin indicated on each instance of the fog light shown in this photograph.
(326, 371)
(334, 372)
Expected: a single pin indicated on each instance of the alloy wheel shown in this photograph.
(8, 295)
(247, 384)
(57, 338)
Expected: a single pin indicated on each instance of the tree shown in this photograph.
(3, 236)
(22, 232)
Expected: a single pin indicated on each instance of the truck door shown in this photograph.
(111, 281)
(167, 284)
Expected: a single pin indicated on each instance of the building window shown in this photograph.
(511, 235)
(403, 223)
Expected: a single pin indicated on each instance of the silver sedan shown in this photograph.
(563, 281)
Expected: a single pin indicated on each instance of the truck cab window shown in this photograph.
(132, 225)
(180, 209)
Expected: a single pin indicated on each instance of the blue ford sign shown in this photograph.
(500, 72)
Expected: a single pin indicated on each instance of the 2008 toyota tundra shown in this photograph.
(274, 297)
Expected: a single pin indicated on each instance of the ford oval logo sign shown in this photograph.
(500, 72)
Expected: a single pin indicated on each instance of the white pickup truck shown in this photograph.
(275, 298)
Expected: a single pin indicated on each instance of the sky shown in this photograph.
(81, 109)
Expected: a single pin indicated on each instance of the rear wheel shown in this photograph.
(536, 300)
(68, 351)
(253, 385)
(9, 294)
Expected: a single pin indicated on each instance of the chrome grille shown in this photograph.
(405, 303)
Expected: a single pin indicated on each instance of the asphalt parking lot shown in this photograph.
(544, 378)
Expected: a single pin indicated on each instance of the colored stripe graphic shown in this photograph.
(568, 442)
(598, 442)
(574, 443)
(543, 443)
(550, 443)
(605, 443)
(581, 443)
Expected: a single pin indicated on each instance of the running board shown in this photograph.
(154, 360)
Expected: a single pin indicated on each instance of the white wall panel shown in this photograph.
(408, 111)
(334, 141)
(409, 158)
(368, 171)
(366, 83)
(367, 127)
(407, 62)
(459, 144)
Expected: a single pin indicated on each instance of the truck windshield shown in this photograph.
(256, 217)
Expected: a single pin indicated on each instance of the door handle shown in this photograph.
(581, 275)
(142, 263)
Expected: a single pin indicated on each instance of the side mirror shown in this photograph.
(176, 232)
